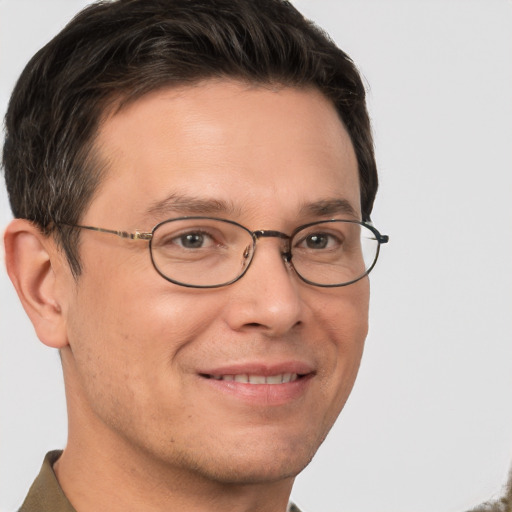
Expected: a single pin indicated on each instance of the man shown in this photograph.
(192, 184)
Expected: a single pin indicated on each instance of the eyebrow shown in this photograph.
(185, 205)
(176, 203)
(329, 207)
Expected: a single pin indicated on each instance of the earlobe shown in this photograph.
(31, 260)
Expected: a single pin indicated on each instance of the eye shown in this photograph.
(196, 237)
(319, 241)
(194, 240)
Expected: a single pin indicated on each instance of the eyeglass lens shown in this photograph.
(203, 252)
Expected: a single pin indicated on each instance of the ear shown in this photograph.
(35, 265)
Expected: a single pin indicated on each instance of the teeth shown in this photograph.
(257, 379)
(281, 378)
(274, 379)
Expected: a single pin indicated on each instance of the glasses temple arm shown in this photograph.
(138, 235)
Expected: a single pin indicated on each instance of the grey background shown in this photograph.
(428, 427)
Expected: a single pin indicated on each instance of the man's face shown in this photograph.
(143, 351)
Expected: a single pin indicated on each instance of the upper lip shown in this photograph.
(260, 368)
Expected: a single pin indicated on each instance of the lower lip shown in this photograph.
(262, 394)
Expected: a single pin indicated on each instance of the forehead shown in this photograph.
(235, 144)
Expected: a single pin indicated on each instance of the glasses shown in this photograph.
(205, 252)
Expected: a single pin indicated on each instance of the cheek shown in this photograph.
(136, 324)
(146, 325)
(345, 320)
(126, 342)
(344, 313)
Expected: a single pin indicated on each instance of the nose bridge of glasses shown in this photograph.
(271, 233)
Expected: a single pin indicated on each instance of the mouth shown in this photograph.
(260, 383)
(245, 378)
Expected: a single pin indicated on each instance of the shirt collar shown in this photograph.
(46, 495)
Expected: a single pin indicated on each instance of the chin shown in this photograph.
(254, 473)
(259, 462)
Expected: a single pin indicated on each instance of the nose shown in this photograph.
(269, 296)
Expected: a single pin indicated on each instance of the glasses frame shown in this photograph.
(255, 235)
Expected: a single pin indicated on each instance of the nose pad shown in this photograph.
(287, 257)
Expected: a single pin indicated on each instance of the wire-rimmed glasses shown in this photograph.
(207, 252)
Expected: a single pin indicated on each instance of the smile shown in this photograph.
(280, 378)
(260, 385)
